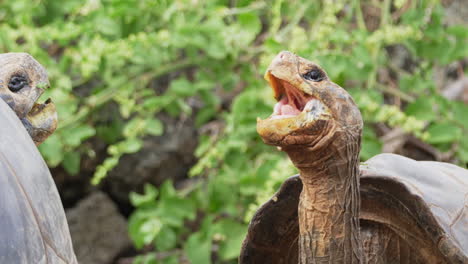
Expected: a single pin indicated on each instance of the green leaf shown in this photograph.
(74, 136)
(463, 151)
(421, 109)
(175, 210)
(135, 222)
(134, 127)
(198, 248)
(71, 162)
(166, 239)
(110, 133)
(130, 145)
(182, 87)
(167, 190)
(233, 234)
(150, 229)
(371, 145)
(146, 259)
(171, 260)
(204, 115)
(249, 22)
(149, 196)
(154, 127)
(460, 113)
(157, 103)
(107, 26)
(52, 150)
(459, 31)
(443, 133)
(370, 148)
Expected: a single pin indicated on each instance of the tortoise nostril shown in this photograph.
(17, 83)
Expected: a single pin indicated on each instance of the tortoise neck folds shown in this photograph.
(329, 202)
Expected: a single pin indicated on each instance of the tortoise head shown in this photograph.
(311, 109)
(22, 82)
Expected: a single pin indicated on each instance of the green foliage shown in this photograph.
(110, 63)
(159, 221)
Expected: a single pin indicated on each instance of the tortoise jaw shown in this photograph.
(41, 121)
(293, 102)
(295, 111)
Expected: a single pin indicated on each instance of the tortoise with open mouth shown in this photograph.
(33, 226)
(390, 209)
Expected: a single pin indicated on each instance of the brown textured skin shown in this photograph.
(325, 149)
(40, 120)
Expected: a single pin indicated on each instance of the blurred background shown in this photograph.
(156, 156)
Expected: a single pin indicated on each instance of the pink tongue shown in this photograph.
(289, 110)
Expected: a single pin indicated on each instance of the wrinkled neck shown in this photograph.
(329, 203)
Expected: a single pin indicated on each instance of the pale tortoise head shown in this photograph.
(22, 82)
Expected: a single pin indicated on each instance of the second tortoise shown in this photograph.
(391, 209)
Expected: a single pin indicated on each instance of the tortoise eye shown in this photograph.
(17, 83)
(314, 75)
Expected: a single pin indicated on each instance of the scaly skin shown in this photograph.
(22, 82)
(323, 142)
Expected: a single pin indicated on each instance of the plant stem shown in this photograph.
(404, 96)
(359, 16)
(385, 14)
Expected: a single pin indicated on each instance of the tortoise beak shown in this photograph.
(41, 121)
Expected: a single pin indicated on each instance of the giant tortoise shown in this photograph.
(390, 209)
(33, 227)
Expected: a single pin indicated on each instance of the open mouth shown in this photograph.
(37, 107)
(41, 121)
(43, 116)
(292, 101)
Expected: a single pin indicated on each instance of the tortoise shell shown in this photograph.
(417, 209)
(33, 223)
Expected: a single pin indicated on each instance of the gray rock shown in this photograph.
(456, 12)
(457, 90)
(169, 156)
(98, 231)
